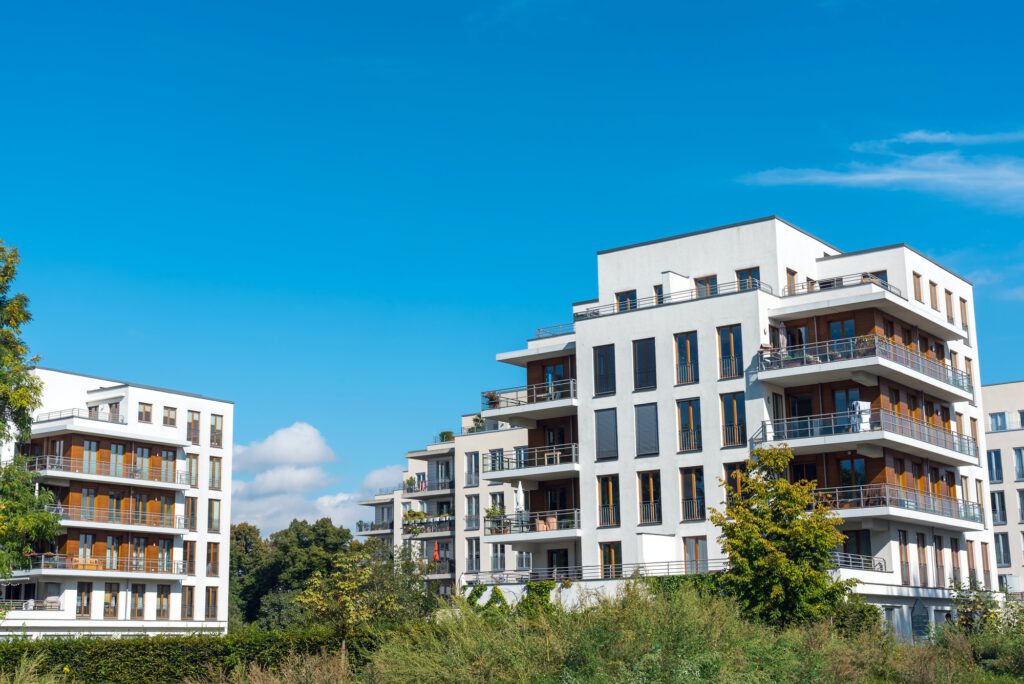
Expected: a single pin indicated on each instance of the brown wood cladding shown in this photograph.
(873, 322)
(539, 497)
(535, 369)
(892, 468)
(74, 448)
(537, 437)
(68, 544)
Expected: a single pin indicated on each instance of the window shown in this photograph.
(790, 281)
(604, 369)
(998, 508)
(473, 512)
(659, 295)
(693, 493)
(608, 500)
(472, 468)
(904, 557)
(922, 559)
(995, 466)
(191, 512)
(611, 559)
(695, 555)
(733, 485)
(211, 603)
(688, 411)
(213, 516)
(625, 301)
(215, 472)
(498, 500)
(607, 434)
(1018, 463)
(163, 601)
(986, 573)
(687, 370)
(497, 556)
(1002, 540)
(170, 416)
(83, 600)
(969, 370)
(842, 329)
(963, 313)
(644, 370)
(192, 427)
(852, 472)
(706, 286)
(192, 466)
(933, 294)
(949, 306)
(473, 554)
(216, 431)
(145, 413)
(734, 428)
(90, 451)
(188, 554)
(804, 471)
(646, 430)
(111, 590)
(917, 288)
(188, 602)
(117, 460)
(997, 421)
(858, 542)
(940, 563)
(138, 606)
(212, 559)
(748, 278)
(972, 573)
(954, 553)
(730, 352)
(650, 497)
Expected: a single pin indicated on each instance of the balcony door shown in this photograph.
(117, 460)
(553, 375)
(113, 553)
(138, 553)
(89, 450)
(845, 401)
(558, 561)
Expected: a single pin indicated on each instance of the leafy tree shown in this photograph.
(24, 521)
(779, 539)
(249, 556)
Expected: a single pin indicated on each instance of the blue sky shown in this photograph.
(336, 213)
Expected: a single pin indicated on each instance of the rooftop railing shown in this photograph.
(715, 290)
(374, 525)
(837, 282)
(109, 564)
(532, 457)
(862, 347)
(541, 521)
(839, 424)
(895, 496)
(530, 394)
(118, 517)
(102, 416)
(555, 330)
(67, 464)
(429, 486)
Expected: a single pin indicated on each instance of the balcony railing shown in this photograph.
(650, 513)
(725, 288)
(48, 604)
(734, 435)
(444, 566)
(555, 330)
(530, 394)
(687, 373)
(837, 424)
(542, 521)
(730, 367)
(895, 496)
(118, 517)
(837, 282)
(429, 486)
(374, 525)
(863, 347)
(429, 525)
(102, 416)
(104, 564)
(533, 457)
(856, 561)
(609, 516)
(599, 572)
(689, 439)
(472, 522)
(66, 464)
(693, 509)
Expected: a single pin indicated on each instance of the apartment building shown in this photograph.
(141, 478)
(703, 346)
(1004, 440)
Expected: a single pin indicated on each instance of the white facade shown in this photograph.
(142, 482)
(1004, 437)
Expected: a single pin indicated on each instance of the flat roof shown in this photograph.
(898, 245)
(123, 383)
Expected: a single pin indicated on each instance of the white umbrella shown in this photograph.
(782, 336)
(519, 497)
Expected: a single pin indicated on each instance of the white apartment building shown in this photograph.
(1004, 440)
(703, 346)
(141, 478)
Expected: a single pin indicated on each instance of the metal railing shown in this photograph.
(837, 424)
(598, 572)
(383, 491)
(530, 394)
(533, 457)
(862, 347)
(542, 521)
(717, 290)
(730, 367)
(102, 416)
(609, 516)
(429, 486)
(49, 604)
(444, 566)
(895, 496)
(650, 513)
(375, 525)
(687, 373)
(429, 525)
(856, 561)
(734, 435)
(111, 564)
(472, 522)
(837, 282)
(555, 330)
(689, 439)
(693, 509)
(118, 517)
(66, 464)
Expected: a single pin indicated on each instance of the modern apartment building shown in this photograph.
(141, 478)
(1004, 441)
(703, 346)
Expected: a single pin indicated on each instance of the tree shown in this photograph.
(779, 539)
(249, 556)
(24, 521)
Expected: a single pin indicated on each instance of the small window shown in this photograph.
(997, 421)
(211, 603)
(604, 369)
(949, 306)
(644, 366)
(917, 288)
(790, 281)
(998, 508)
(625, 301)
(963, 315)
(748, 279)
(163, 601)
(212, 559)
(192, 427)
(170, 416)
(607, 434)
(1002, 540)
(647, 430)
(216, 431)
(145, 413)
(83, 600)
(213, 516)
(659, 297)
(706, 286)
(215, 472)
(933, 294)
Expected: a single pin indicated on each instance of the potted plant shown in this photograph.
(478, 424)
(411, 522)
(445, 436)
(410, 484)
(492, 399)
(495, 516)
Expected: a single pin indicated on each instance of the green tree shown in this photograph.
(249, 557)
(25, 523)
(779, 540)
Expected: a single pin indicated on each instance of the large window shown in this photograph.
(188, 602)
(216, 431)
(734, 421)
(997, 421)
(611, 559)
(212, 559)
(497, 556)
(607, 434)
(904, 557)
(689, 424)
(748, 278)
(604, 369)
(644, 367)
(191, 512)
(608, 500)
(83, 600)
(215, 472)
(998, 508)
(625, 301)
(695, 554)
(163, 601)
(138, 606)
(687, 368)
(995, 466)
(473, 512)
(693, 493)
(858, 542)
(730, 351)
(472, 468)
(473, 554)
(646, 430)
(1018, 463)
(852, 472)
(192, 427)
(650, 497)
(1002, 540)
(211, 603)
(213, 516)
(706, 286)
(188, 555)
(111, 592)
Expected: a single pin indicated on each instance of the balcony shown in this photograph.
(423, 489)
(534, 463)
(868, 432)
(104, 424)
(104, 518)
(693, 509)
(697, 294)
(534, 527)
(375, 527)
(88, 414)
(862, 358)
(65, 467)
(856, 561)
(902, 504)
(440, 526)
(532, 402)
(51, 604)
(584, 573)
(838, 282)
(58, 564)
(443, 566)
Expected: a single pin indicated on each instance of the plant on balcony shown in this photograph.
(493, 400)
(478, 424)
(495, 517)
(445, 436)
(410, 482)
(411, 522)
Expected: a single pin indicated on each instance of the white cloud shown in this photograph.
(298, 444)
(282, 479)
(388, 476)
(950, 138)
